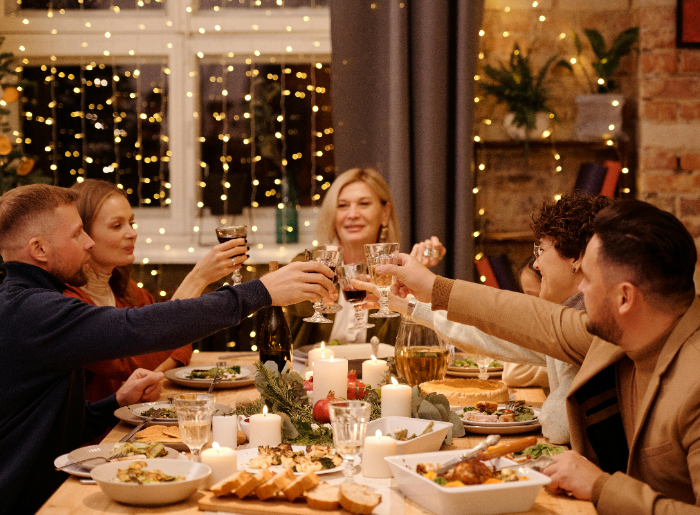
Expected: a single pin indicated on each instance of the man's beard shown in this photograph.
(73, 277)
(606, 328)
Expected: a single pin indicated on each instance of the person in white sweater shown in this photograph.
(562, 230)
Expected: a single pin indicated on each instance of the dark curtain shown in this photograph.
(403, 98)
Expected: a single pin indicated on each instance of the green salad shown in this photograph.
(229, 373)
(541, 449)
(469, 362)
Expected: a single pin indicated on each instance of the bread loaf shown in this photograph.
(274, 485)
(358, 498)
(300, 485)
(255, 481)
(231, 483)
(323, 497)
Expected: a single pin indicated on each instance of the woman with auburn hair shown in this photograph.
(358, 209)
(108, 219)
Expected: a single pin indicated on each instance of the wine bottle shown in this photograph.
(275, 341)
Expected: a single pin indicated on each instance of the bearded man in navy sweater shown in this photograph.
(46, 338)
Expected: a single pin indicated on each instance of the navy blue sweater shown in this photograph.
(46, 339)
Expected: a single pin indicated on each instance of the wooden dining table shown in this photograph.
(73, 497)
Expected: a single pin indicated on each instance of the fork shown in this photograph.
(511, 405)
(107, 460)
(220, 367)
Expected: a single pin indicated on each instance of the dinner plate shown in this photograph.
(131, 414)
(458, 410)
(472, 373)
(105, 451)
(179, 376)
(245, 455)
(513, 430)
(76, 470)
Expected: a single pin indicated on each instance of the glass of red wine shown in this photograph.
(230, 232)
(346, 273)
(329, 258)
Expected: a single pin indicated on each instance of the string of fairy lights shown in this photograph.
(547, 135)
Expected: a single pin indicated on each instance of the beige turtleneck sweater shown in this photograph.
(98, 288)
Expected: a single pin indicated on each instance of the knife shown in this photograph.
(470, 453)
(138, 428)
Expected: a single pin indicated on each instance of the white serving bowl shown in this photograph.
(425, 443)
(152, 494)
(491, 499)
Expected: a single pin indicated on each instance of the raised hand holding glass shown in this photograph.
(229, 232)
(330, 259)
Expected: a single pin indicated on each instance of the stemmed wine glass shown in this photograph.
(335, 307)
(349, 420)
(330, 259)
(483, 363)
(346, 274)
(230, 232)
(382, 254)
(194, 412)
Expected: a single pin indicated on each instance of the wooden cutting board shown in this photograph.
(233, 504)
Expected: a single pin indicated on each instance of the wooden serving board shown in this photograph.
(249, 506)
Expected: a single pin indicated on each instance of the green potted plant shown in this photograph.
(523, 91)
(600, 111)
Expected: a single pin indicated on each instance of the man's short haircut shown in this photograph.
(21, 207)
(653, 246)
(568, 222)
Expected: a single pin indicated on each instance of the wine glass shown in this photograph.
(421, 355)
(335, 307)
(356, 297)
(330, 259)
(349, 421)
(382, 254)
(194, 412)
(483, 363)
(225, 233)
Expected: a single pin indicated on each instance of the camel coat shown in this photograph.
(659, 471)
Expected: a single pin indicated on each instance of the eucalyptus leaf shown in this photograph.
(457, 425)
(427, 411)
(438, 399)
(443, 412)
(415, 404)
(288, 429)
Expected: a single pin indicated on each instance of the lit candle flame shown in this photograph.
(331, 359)
(265, 411)
(374, 358)
(216, 446)
(378, 434)
(394, 381)
(323, 345)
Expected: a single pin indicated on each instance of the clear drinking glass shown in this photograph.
(330, 259)
(483, 363)
(335, 307)
(420, 354)
(194, 412)
(230, 232)
(349, 421)
(347, 273)
(382, 254)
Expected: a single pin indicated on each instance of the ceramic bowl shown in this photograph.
(425, 443)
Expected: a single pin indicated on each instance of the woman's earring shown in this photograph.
(383, 234)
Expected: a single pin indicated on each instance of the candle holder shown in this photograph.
(349, 420)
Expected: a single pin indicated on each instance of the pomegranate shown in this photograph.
(309, 384)
(356, 388)
(320, 412)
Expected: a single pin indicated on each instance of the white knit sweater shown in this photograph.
(469, 339)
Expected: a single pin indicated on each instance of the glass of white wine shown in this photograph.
(349, 420)
(194, 412)
(378, 254)
(483, 362)
(329, 258)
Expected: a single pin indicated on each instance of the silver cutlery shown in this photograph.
(220, 367)
(88, 482)
(470, 453)
(112, 457)
(138, 428)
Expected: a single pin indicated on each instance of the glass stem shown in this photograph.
(384, 300)
(196, 455)
(358, 314)
(349, 470)
(236, 278)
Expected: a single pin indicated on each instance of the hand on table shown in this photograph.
(299, 281)
(141, 386)
(432, 245)
(411, 277)
(573, 473)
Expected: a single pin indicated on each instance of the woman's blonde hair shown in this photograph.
(325, 229)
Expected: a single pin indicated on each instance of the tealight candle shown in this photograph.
(373, 371)
(375, 449)
(223, 462)
(225, 430)
(396, 399)
(319, 353)
(265, 429)
(330, 375)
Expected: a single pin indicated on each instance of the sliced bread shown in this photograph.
(231, 483)
(300, 485)
(358, 499)
(323, 497)
(255, 481)
(274, 485)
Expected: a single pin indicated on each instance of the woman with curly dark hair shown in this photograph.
(562, 230)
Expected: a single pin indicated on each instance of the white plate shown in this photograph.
(184, 372)
(138, 409)
(459, 411)
(471, 373)
(105, 451)
(245, 455)
(76, 470)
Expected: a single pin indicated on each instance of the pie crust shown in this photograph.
(466, 392)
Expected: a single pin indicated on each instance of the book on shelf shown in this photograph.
(611, 176)
(504, 273)
(483, 267)
(590, 178)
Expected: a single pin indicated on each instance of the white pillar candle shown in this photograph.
(330, 375)
(396, 400)
(373, 453)
(265, 429)
(373, 371)
(319, 353)
(223, 462)
(225, 430)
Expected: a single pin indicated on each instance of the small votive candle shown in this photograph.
(375, 449)
(265, 429)
(225, 430)
(319, 353)
(396, 399)
(223, 462)
(373, 371)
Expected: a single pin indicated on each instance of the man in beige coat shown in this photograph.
(634, 407)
